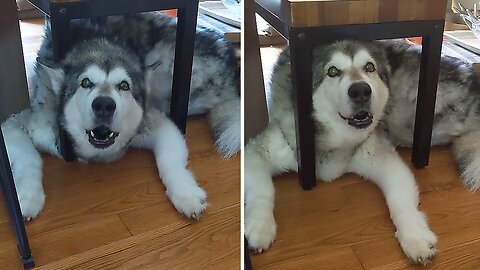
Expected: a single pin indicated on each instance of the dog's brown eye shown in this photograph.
(333, 72)
(124, 86)
(370, 67)
(86, 83)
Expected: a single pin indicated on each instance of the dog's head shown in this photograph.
(101, 95)
(350, 81)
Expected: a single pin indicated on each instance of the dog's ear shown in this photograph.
(51, 76)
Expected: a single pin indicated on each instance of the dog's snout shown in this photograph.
(103, 107)
(360, 92)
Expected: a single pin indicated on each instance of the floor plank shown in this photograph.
(341, 259)
(207, 244)
(77, 238)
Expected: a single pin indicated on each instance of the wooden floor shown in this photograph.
(117, 216)
(346, 224)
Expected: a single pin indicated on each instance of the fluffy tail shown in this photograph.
(225, 119)
(466, 150)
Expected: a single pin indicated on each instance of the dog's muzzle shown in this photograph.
(360, 120)
(101, 137)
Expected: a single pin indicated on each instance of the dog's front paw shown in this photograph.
(31, 202)
(260, 232)
(418, 244)
(189, 200)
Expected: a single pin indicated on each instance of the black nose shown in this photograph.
(103, 107)
(360, 92)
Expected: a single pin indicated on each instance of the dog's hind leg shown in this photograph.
(225, 119)
(171, 155)
(377, 160)
(266, 155)
(466, 150)
(26, 164)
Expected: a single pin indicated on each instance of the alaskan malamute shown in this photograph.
(111, 92)
(363, 106)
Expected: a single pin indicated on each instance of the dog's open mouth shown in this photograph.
(360, 120)
(101, 137)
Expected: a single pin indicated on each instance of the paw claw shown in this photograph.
(189, 201)
(196, 216)
(419, 246)
(257, 250)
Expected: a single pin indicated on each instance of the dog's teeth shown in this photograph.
(111, 135)
(91, 133)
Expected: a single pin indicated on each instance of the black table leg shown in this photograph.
(60, 29)
(247, 262)
(13, 207)
(427, 92)
(182, 71)
(301, 69)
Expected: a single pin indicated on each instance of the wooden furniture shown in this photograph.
(61, 12)
(13, 98)
(307, 23)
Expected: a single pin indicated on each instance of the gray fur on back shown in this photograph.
(457, 108)
(457, 104)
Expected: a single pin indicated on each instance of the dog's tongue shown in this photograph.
(102, 132)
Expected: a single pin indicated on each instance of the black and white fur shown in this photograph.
(111, 92)
(457, 108)
(361, 113)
